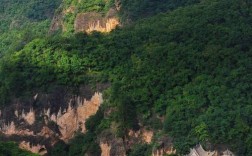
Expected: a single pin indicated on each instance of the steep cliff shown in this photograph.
(88, 22)
(73, 18)
(48, 124)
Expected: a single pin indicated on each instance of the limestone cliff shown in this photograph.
(85, 21)
(92, 21)
(73, 119)
(30, 126)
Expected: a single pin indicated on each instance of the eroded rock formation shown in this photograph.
(86, 21)
(29, 117)
(92, 21)
(105, 148)
(73, 119)
(111, 145)
(164, 146)
(57, 23)
(50, 125)
(143, 134)
(10, 129)
(39, 149)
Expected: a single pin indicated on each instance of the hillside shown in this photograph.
(22, 21)
(172, 75)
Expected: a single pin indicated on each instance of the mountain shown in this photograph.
(128, 78)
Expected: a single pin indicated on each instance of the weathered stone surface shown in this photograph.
(164, 146)
(142, 135)
(105, 148)
(39, 149)
(10, 129)
(111, 145)
(29, 117)
(57, 23)
(50, 125)
(74, 118)
(92, 21)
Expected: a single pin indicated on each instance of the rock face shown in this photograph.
(73, 119)
(57, 23)
(105, 148)
(164, 147)
(86, 21)
(29, 117)
(39, 149)
(49, 124)
(92, 21)
(10, 129)
(142, 134)
(111, 145)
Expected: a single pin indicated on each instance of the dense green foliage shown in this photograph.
(82, 144)
(140, 150)
(88, 5)
(22, 21)
(191, 65)
(134, 10)
(11, 149)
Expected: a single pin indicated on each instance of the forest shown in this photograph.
(186, 61)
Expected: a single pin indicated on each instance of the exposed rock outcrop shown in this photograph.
(86, 21)
(10, 129)
(92, 21)
(164, 146)
(39, 149)
(118, 5)
(73, 119)
(105, 148)
(111, 145)
(57, 23)
(29, 117)
(142, 134)
(48, 124)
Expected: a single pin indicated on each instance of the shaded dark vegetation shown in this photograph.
(22, 21)
(191, 65)
(11, 149)
(132, 10)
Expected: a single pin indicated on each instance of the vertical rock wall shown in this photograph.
(68, 121)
